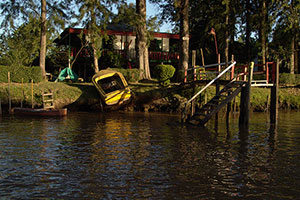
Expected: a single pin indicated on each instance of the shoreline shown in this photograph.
(147, 97)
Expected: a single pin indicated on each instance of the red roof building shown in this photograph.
(163, 48)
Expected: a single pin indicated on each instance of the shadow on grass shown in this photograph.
(89, 100)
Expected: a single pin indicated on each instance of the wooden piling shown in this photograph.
(22, 98)
(274, 95)
(194, 64)
(228, 110)
(219, 69)
(203, 62)
(218, 83)
(32, 93)
(245, 101)
(9, 97)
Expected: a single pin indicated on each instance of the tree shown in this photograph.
(19, 11)
(43, 39)
(286, 32)
(141, 40)
(184, 34)
(21, 47)
(95, 15)
(177, 12)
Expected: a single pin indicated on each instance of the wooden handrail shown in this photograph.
(205, 87)
(212, 81)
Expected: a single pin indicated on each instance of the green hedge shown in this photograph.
(131, 75)
(19, 72)
(289, 79)
(164, 73)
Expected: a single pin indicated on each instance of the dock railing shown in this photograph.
(230, 67)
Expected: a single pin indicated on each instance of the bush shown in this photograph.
(112, 59)
(131, 75)
(286, 78)
(289, 79)
(164, 73)
(19, 72)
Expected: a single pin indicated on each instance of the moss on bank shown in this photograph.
(148, 96)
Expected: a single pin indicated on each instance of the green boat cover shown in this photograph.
(67, 73)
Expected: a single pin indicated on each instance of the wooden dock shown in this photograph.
(238, 83)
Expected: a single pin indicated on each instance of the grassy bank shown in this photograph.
(148, 96)
(65, 95)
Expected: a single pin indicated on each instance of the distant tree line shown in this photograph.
(261, 30)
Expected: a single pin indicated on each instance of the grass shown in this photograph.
(64, 93)
(85, 94)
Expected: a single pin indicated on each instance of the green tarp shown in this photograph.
(68, 74)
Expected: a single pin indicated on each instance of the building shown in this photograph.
(117, 51)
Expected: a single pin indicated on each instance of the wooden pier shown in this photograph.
(237, 80)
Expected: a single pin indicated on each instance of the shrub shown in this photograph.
(289, 79)
(112, 59)
(164, 73)
(19, 72)
(131, 75)
(286, 78)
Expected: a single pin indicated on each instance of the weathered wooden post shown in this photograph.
(32, 93)
(0, 108)
(9, 97)
(229, 105)
(228, 110)
(22, 98)
(194, 64)
(274, 95)
(218, 72)
(195, 78)
(218, 86)
(203, 63)
(245, 101)
(232, 69)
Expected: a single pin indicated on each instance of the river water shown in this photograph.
(148, 156)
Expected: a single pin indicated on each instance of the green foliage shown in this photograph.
(22, 46)
(289, 79)
(112, 59)
(131, 75)
(19, 72)
(164, 73)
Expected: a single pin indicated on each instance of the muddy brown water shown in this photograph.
(148, 156)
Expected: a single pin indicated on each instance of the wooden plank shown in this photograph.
(49, 100)
(220, 106)
(48, 94)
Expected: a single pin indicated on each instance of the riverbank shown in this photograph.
(147, 96)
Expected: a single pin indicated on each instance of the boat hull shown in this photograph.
(40, 112)
(112, 87)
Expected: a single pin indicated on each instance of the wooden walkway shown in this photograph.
(235, 80)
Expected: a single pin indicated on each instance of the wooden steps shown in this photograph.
(212, 107)
(48, 102)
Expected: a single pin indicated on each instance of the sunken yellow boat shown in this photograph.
(112, 87)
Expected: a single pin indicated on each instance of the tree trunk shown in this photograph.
(96, 66)
(292, 61)
(43, 39)
(296, 57)
(264, 33)
(184, 35)
(141, 41)
(94, 35)
(248, 25)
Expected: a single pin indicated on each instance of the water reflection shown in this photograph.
(147, 156)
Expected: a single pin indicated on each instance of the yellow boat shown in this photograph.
(112, 87)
